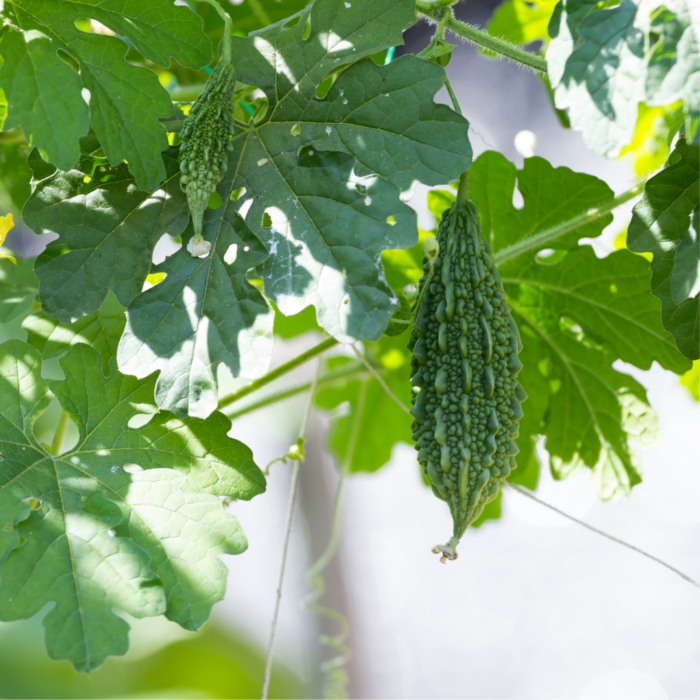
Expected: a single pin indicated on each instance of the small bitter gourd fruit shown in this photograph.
(465, 362)
(205, 141)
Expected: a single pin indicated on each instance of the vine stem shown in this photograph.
(287, 533)
(279, 372)
(60, 434)
(325, 379)
(226, 55)
(550, 234)
(335, 675)
(434, 12)
(603, 534)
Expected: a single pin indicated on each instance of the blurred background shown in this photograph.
(535, 607)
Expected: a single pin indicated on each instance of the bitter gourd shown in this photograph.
(206, 139)
(465, 362)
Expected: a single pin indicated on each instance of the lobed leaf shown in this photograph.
(43, 90)
(107, 231)
(665, 223)
(97, 536)
(204, 314)
(604, 61)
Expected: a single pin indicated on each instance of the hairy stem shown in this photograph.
(287, 533)
(60, 434)
(434, 12)
(279, 372)
(539, 240)
(327, 378)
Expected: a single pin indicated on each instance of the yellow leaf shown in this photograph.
(691, 380)
(6, 224)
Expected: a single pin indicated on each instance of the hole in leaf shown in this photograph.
(518, 201)
(166, 246)
(237, 194)
(549, 256)
(245, 207)
(214, 200)
(306, 33)
(296, 131)
(231, 254)
(153, 279)
(391, 220)
(67, 58)
(266, 221)
(139, 420)
(46, 425)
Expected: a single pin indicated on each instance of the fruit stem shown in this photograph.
(463, 190)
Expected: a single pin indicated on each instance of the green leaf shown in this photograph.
(18, 287)
(551, 196)
(204, 314)
(101, 330)
(370, 422)
(664, 223)
(15, 176)
(604, 61)
(43, 89)
(584, 313)
(608, 298)
(107, 231)
(329, 211)
(145, 538)
(521, 22)
(674, 63)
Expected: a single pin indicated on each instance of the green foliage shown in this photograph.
(382, 118)
(85, 533)
(101, 330)
(107, 231)
(18, 287)
(215, 663)
(465, 363)
(665, 222)
(551, 196)
(577, 315)
(604, 61)
(126, 101)
(370, 422)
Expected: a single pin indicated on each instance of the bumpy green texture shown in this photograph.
(205, 140)
(465, 362)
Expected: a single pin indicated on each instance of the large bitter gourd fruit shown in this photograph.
(205, 142)
(465, 362)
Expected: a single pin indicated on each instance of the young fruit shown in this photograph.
(465, 362)
(205, 143)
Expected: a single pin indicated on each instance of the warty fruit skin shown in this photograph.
(465, 362)
(206, 142)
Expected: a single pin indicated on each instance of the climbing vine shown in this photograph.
(271, 149)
